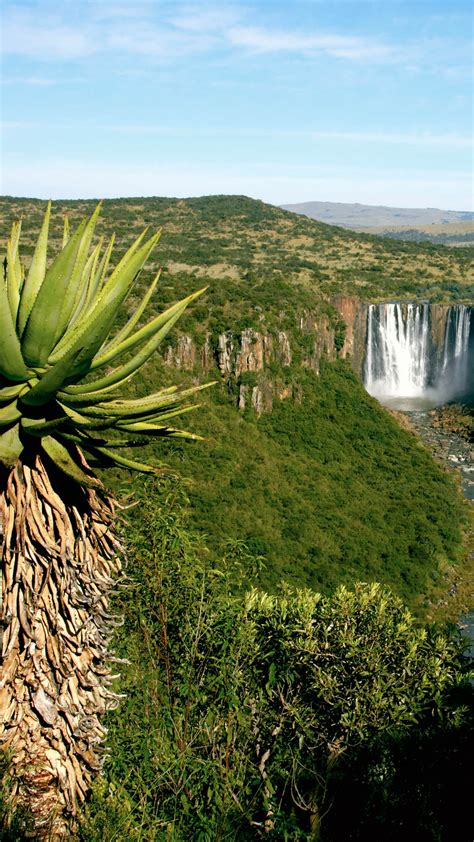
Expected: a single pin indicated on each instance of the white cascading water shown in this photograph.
(402, 359)
(397, 359)
(456, 343)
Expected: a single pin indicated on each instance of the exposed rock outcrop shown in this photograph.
(225, 350)
(354, 315)
(253, 351)
(183, 355)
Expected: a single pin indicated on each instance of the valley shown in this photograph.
(299, 463)
(270, 562)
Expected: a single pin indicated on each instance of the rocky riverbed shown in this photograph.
(449, 433)
(449, 440)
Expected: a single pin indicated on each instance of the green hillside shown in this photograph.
(242, 687)
(326, 488)
(235, 243)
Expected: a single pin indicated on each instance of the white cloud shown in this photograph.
(49, 39)
(52, 37)
(194, 18)
(340, 46)
(414, 138)
(60, 33)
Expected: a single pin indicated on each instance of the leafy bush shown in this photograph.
(241, 707)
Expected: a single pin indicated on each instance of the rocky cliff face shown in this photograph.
(238, 356)
(354, 315)
(255, 360)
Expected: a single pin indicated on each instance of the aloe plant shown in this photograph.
(61, 409)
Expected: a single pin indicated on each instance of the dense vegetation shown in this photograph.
(232, 651)
(237, 244)
(293, 715)
(328, 489)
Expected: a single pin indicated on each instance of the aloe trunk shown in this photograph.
(60, 552)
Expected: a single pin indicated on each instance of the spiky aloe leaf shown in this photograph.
(35, 276)
(91, 330)
(156, 330)
(11, 446)
(84, 286)
(162, 323)
(55, 377)
(42, 426)
(60, 455)
(40, 329)
(13, 278)
(9, 414)
(9, 392)
(141, 406)
(123, 462)
(133, 320)
(66, 232)
(12, 365)
(54, 328)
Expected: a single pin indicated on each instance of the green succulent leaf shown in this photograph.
(133, 321)
(9, 414)
(35, 276)
(12, 365)
(40, 331)
(63, 460)
(13, 278)
(66, 232)
(85, 283)
(78, 280)
(162, 323)
(11, 446)
(41, 426)
(54, 327)
(123, 462)
(91, 330)
(160, 416)
(52, 380)
(9, 392)
(141, 406)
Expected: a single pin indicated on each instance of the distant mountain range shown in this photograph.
(360, 217)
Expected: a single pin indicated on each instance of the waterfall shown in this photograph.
(456, 356)
(403, 359)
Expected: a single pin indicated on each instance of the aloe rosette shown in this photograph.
(62, 369)
(55, 326)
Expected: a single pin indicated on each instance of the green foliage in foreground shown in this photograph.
(330, 490)
(245, 713)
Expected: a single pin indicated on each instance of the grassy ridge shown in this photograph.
(243, 242)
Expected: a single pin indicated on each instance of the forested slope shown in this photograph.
(326, 488)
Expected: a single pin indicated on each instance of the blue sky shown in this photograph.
(367, 101)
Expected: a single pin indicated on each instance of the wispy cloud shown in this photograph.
(52, 38)
(48, 38)
(58, 34)
(421, 138)
(197, 18)
(339, 46)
